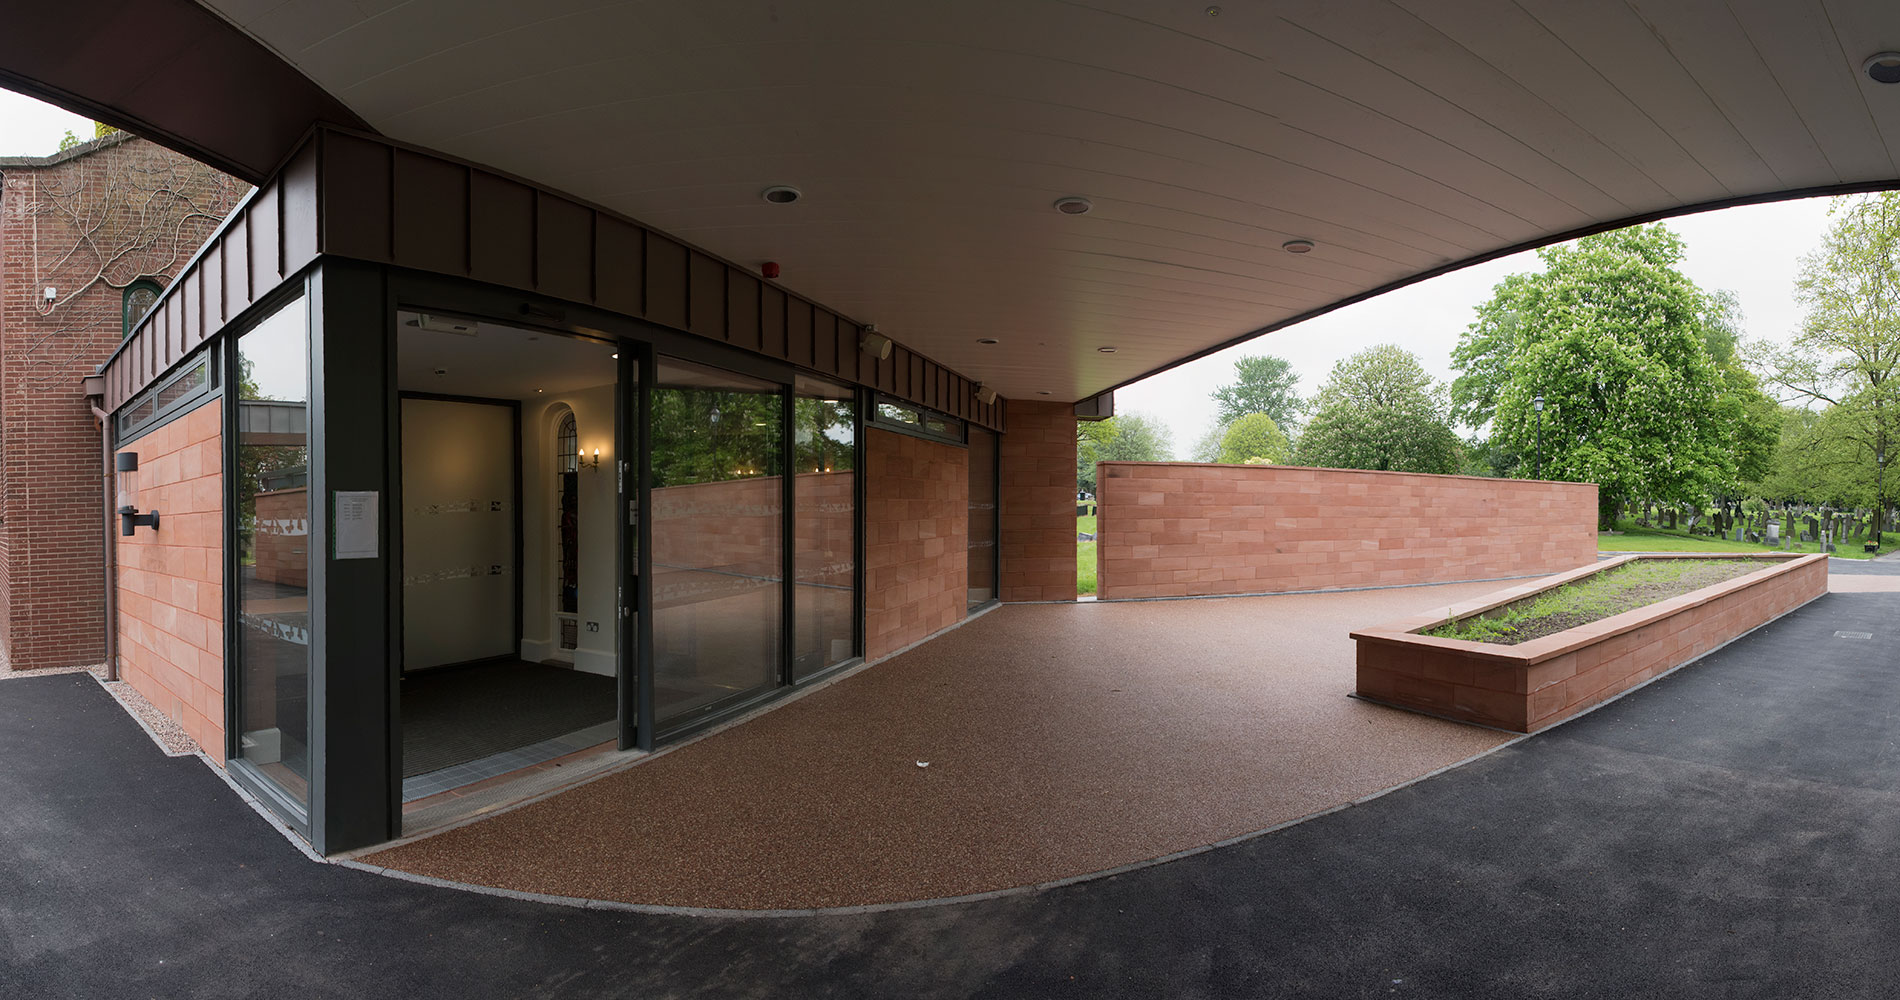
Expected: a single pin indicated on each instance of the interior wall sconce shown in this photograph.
(590, 461)
(875, 344)
(126, 467)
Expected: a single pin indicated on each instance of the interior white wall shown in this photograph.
(596, 652)
(457, 532)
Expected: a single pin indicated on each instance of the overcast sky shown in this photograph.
(1753, 251)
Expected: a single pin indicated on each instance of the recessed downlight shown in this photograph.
(1297, 246)
(1883, 67)
(1105, 350)
(987, 340)
(1074, 205)
(1044, 392)
(781, 194)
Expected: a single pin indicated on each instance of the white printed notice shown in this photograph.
(354, 526)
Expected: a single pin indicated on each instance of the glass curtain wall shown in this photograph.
(824, 558)
(718, 514)
(983, 512)
(272, 514)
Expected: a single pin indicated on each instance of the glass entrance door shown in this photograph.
(716, 502)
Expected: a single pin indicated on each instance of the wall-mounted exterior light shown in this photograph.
(126, 467)
(874, 343)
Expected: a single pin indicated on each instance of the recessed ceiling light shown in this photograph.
(1074, 205)
(781, 194)
(1044, 392)
(986, 340)
(1213, 12)
(1883, 67)
(1297, 246)
(1105, 350)
(616, 355)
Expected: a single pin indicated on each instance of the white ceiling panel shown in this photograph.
(930, 141)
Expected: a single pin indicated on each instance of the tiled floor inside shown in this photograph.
(436, 782)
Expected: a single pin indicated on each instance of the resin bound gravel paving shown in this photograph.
(1060, 739)
(1728, 831)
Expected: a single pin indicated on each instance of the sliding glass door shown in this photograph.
(717, 507)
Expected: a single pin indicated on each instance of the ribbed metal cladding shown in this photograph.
(347, 194)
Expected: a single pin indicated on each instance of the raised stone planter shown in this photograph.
(1544, 681)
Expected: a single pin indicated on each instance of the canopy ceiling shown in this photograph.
(931, 141)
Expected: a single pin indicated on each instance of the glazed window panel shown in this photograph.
(717, 502)
(824, 558)
(272, 532)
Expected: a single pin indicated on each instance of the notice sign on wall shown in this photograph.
(353, 524)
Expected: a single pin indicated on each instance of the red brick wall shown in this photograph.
(916, 545)
(1179, 529)
(1536, 684)
(171, 581)
(1038, 497)
(86, 223)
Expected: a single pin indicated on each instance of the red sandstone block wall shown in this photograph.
(1537, 684)
(1038, 497)
(1168, 529)
(916, 546)
(281, 544)
(171, 581)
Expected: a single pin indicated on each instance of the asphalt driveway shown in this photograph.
(1731, 830)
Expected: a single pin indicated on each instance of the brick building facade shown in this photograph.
(104, 225)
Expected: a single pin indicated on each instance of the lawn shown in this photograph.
(1631, 537)
(1085, 556)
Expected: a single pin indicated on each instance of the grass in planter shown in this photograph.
(1594, 598)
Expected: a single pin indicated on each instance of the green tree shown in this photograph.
(68, 141)
(1264, 384)
(1847, 352)
(1130, 437)
(1254, 438)
(1207, 446)
(1380, 410)
(1616, 340)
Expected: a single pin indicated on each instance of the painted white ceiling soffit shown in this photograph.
(930, 141)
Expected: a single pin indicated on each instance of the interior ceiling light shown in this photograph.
(1105, 350)
(781, 194)
(1297, 246)
(1074, 205)
(1044, 392)
(1883, 67)
(1213, 12)
(987, 340)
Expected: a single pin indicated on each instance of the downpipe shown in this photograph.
(111, 548)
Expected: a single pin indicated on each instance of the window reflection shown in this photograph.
(273, 555)
(824, 430)
(718, 538)
(983, 511)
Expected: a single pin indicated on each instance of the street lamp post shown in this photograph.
(1880, 483)
(1538, 405)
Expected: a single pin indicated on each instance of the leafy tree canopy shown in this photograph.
(1262, 384)
(1254, 438)
(1847, 353)
(1380, 410)
(1617, 341)
(1130, 437)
